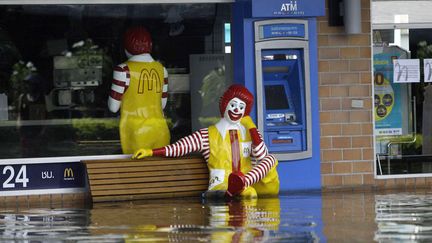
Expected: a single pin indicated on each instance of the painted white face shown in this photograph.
(235, 110)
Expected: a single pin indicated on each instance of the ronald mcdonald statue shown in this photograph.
(237, 158)
(139, 89)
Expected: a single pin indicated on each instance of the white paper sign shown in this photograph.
(406, 70)
(3, 107)
(427, 70)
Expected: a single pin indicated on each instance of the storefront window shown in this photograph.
(402, 87)
(56, 71)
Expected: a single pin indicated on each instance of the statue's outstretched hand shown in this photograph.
(247, 122)
(141, 153)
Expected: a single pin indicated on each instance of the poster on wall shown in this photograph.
(406, 70)
(387, 97)
(427, 70)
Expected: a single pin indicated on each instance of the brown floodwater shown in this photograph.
(300, 217)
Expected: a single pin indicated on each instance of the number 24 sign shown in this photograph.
(11, 177)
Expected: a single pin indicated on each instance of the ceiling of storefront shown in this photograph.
(32, 2)
(386, 14)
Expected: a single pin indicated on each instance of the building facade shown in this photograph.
(193, 40)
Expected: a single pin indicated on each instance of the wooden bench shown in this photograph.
(150, 178)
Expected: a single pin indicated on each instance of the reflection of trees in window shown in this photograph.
(213, 86)
(423, 93)
(9, 55)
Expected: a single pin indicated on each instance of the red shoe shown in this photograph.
(236, 184)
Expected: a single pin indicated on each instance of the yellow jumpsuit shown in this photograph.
(220, 165)
(142, 123)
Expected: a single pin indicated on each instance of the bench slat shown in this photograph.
(146, 168)
(148, 179)
(151, 161)
(148, 196)
(150, 185)
(146, 173)
(149, 190)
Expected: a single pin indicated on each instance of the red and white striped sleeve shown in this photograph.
(165, 89)
(259, 171)
(120, 82)
(259, 150)
(196, 142)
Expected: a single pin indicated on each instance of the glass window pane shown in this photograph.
(56, 72)
(402, 123)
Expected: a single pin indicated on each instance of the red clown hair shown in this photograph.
(137, 40)
(236, 91)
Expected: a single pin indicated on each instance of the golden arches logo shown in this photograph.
(152, 79)
(68, 174)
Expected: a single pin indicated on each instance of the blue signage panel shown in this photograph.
(388, 97)
(288, 8)
(41, 176)
(283, 30)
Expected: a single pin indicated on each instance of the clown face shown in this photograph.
(235, 110)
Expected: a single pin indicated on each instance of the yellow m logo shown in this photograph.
(68, 173)
(152, 79)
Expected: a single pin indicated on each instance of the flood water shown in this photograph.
(306, 217)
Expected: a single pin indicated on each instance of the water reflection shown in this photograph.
(404, 217)
(262, 220)
(349, 216)
(337, 217)
(284, 219)
(41, 225)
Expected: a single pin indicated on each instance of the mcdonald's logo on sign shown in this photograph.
(68, 174)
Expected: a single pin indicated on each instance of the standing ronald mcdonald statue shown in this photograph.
(228, 147)
(139, 89)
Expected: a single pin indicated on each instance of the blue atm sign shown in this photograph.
(288, 8)
(283, 30)
(18, 177)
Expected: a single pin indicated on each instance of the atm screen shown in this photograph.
(276, 98)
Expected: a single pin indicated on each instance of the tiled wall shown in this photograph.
(345, 77)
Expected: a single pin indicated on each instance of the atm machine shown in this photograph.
(275, 57)
(283, 87)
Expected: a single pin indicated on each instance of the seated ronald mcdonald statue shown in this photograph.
(236, 156)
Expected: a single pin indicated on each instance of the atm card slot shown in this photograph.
(291, 124)
(284, 141)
